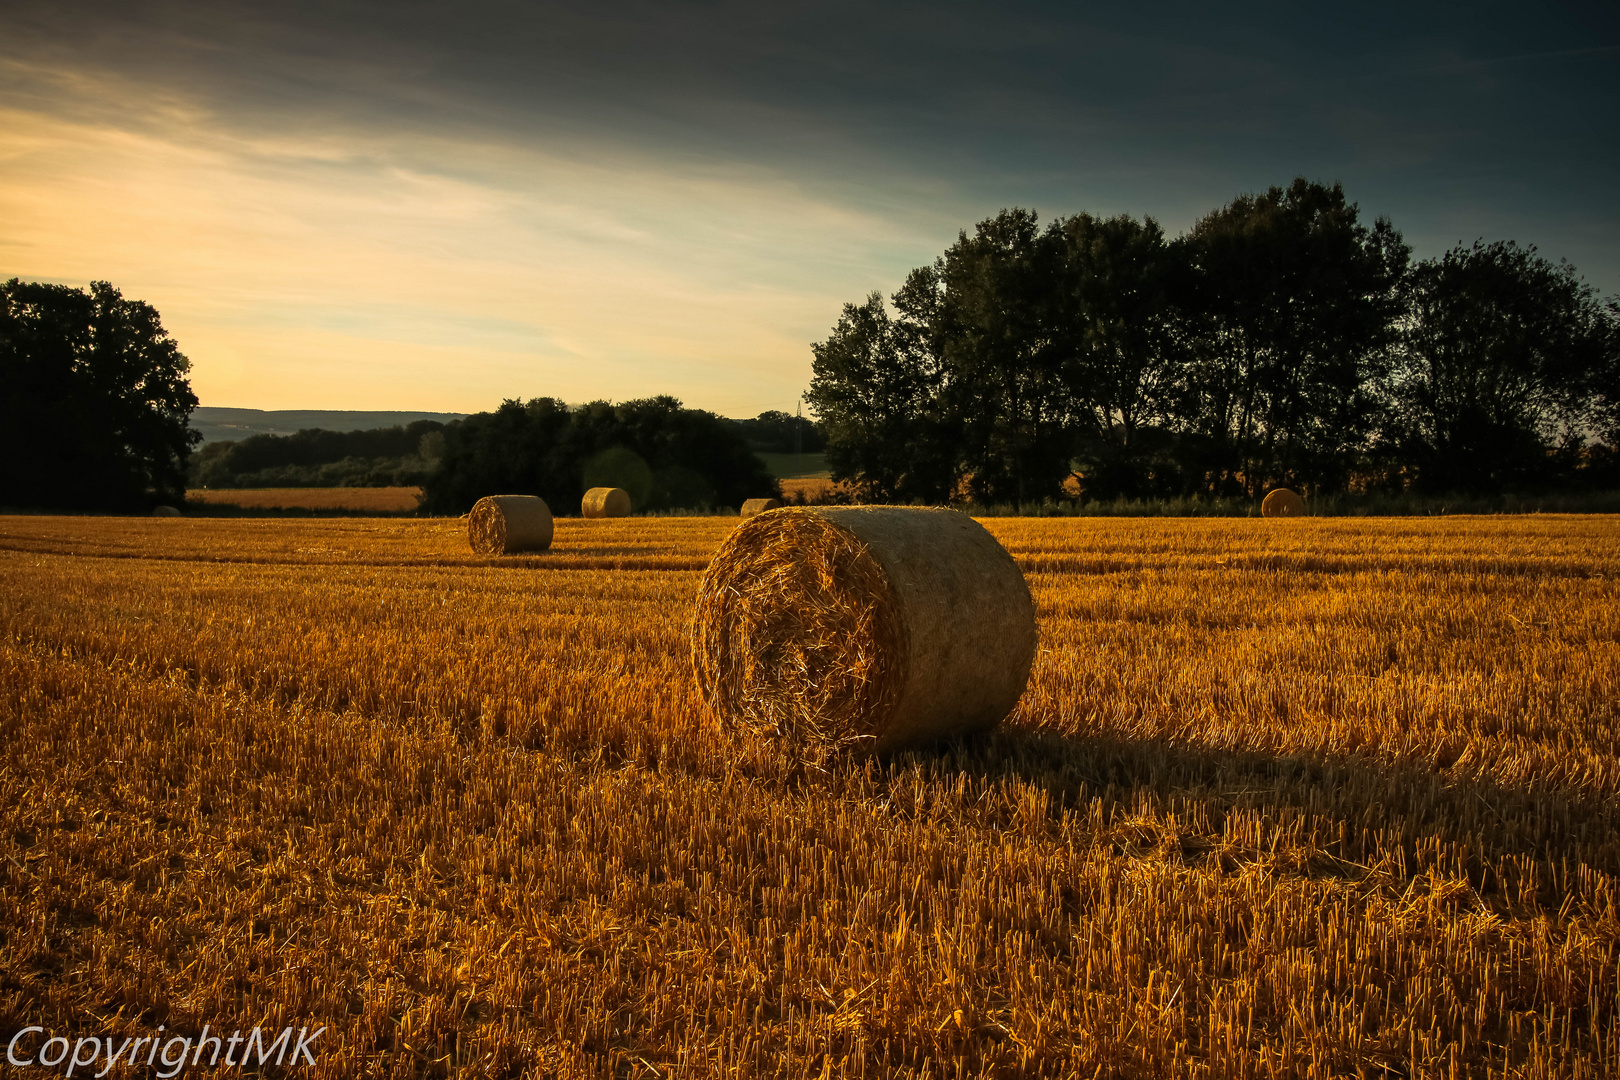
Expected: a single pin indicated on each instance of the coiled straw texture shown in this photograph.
(864, 629)
(504, 524)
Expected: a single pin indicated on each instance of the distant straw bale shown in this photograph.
(862, 628)
(503, 524)
(165, 511)
(600, 502)
(754, 507)
(1282, 503)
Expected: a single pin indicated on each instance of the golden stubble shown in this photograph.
(1333, 799)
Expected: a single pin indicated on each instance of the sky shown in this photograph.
(436, 207)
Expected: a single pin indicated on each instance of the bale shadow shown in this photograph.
(1372, 807)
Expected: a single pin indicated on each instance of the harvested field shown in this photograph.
(1336, 800)
(384, 499)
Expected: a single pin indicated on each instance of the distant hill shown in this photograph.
(217, 424)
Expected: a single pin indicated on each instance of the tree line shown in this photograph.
(403, 455)
(777, 432)
(663, 454)
(1280, 341)
(97, 404)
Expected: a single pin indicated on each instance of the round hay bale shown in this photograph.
(862, 628)
(1282, 503)
(503, 524)
(758, 506)
(165, 511)
(600, 502)
(621, 467)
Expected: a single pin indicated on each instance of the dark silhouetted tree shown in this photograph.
(875, 392)
(1120, 363)
(777, 432)
(1280, 341)
(1289, 308)
(94, 399)
(316, 457)
(995, 331)
(1506, 367)
(677, 457)
(518, 449)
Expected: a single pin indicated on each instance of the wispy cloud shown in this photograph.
(471, 269)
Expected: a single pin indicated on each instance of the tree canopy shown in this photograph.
(95, 399)
(1290, 304)
(1282, 340)
(1504, 357)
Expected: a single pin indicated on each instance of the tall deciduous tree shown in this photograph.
(1290, 310)
(1605, 389)
(94, 399)
(994, 330)
(1506, 358)
(1119, 359)
(875, 389)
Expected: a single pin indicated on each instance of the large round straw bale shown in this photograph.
(502, 524)
(1282, 503)
(600, 502)
(165, 511)
(759, 506)
(864, 628)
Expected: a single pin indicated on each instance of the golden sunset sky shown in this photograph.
(432, 208)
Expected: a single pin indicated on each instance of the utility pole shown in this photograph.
(798, 435)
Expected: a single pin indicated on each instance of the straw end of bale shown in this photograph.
(505, 524)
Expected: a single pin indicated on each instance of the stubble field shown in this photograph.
(396, 500)
(1324, 797)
